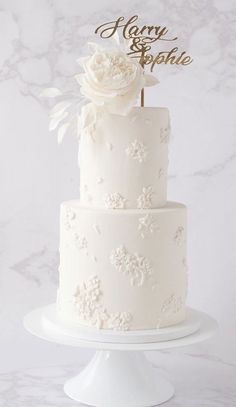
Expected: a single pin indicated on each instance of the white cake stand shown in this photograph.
(119, 375)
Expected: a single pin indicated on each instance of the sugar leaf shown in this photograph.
(56, 120)
(59, 108)
(116, 38)
(62, 131)
(93, 47)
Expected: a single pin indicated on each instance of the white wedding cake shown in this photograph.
(122, 245)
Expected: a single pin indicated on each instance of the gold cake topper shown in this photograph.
(141, 39)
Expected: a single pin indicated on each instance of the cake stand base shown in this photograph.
(119, 375)
(116, 378)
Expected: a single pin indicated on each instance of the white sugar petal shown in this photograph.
(80, 78)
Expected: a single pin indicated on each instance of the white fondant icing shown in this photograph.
(155, 286)
(160, 173)
(133, 118)
(109, 146)
(100, 180)
(97, 229)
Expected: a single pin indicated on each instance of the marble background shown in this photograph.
(39, 43)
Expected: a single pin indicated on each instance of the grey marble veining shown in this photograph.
(39, 44)
(38, 264)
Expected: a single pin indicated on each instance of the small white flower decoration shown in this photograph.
(88, 305)
(80, 242)
(120, 321)
(114, 201)
(144, 201)
(147, 225)
(87, 298)
(179, 236)
(137, 150)
(172, 305)
(165, 134)
(137, 268)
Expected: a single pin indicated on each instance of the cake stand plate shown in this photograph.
(119, 375)
(53, 324)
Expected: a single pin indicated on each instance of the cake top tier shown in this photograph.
(124, 159)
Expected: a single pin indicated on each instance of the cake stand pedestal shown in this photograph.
(119, 375)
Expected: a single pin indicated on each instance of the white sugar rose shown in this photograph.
(113, 80)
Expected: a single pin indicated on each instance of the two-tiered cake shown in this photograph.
(122, 246)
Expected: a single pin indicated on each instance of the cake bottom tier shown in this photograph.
(122, 269)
